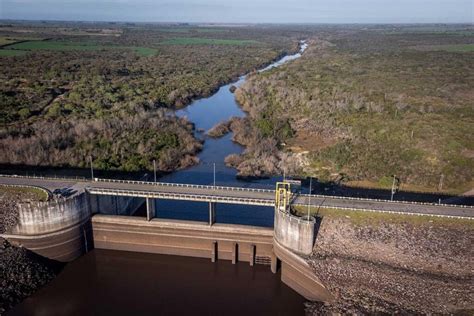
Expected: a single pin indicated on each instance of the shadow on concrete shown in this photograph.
(317, 225)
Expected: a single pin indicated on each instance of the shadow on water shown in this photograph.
(96, 284)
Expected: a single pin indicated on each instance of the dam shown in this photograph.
(122, 215)
(96, 218)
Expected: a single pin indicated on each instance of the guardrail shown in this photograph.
(184, 185)
(382, 200)
(43, 177)
(183, 196)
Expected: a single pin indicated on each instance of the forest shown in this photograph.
(365, 104)
(73, 90)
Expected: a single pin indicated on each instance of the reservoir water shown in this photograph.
(105, 282)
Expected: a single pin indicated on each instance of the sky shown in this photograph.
(243, 11)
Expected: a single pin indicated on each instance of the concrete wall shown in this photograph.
(297, 274)
(295, 233)
(61, 229)
(185, 238)
(44, 217)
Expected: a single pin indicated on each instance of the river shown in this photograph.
(205, 113)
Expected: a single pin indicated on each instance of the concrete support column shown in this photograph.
(235, 251)
(212, 213)
(150, 208)
(214, 251)
(252, 255)
(274, 263)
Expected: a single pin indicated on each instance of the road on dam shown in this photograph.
(234, 195)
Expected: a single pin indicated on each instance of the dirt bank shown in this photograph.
(392, 265)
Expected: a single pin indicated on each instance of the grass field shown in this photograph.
(31, 193)
(11, 52)
(77, 46)
(206, 41)
(191, 30)
(456, 48)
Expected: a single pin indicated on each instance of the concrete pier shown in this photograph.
(252, 255)
(150, 209)
(214, 251)
(212, 213)
(235, 251)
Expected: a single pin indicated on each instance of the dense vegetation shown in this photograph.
(69, 91)
(366, 104)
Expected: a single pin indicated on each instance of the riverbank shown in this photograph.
(22, 272)
(362, 113)
(375, 263)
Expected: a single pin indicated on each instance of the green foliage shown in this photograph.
(76, 46)
(265, 126)
(54, 110)
(24, 113)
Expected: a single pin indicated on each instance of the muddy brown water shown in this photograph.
(105, 282)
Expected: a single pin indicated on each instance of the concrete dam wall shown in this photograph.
(294, 233)
(60, 229)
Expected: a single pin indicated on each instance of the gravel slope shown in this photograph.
(21, 272)
(392, 266)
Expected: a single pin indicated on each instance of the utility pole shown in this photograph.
(154, 169)
(214, 175)
(310, 192)
(92, 169)
(393, 188)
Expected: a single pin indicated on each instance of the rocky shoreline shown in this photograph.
(22, 272)
(394, 267)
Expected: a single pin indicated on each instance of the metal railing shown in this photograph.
(185, 185)
(183, 196)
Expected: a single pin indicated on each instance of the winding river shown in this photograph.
(205, 113)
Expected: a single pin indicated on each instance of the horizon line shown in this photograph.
(238, 23)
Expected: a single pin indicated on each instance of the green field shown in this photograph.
(12, 52)
(77, 46)
(206, 41)
(456, 48)
(191, 30)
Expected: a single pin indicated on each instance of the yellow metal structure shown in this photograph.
(282, 196)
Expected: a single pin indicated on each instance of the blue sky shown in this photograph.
(243, 11)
